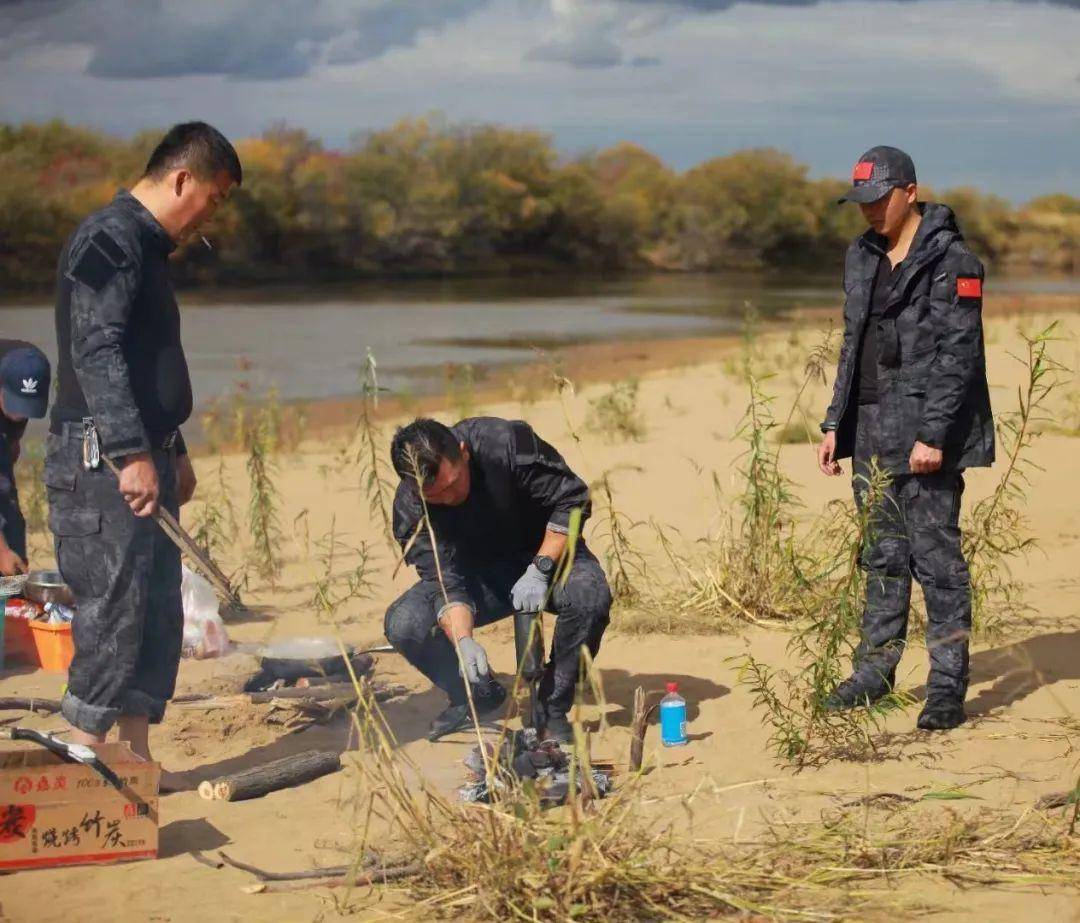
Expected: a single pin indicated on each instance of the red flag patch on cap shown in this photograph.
(863, 170)
(968, 287)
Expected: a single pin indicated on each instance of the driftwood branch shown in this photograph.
(374, 877)
(346, 692)
(271, 777)
(332, 871)
(31, 703)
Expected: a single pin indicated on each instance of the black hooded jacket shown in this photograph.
(520, 487)
(931, 361)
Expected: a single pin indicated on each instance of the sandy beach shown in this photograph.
(1024, 699)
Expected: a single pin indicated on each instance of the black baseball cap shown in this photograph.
(880, 170)
(24, 380)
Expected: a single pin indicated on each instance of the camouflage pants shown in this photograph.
(582, 608)
(914, 531)
(125, 576)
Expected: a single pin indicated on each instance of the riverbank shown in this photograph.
(588, 363)
(727, 786)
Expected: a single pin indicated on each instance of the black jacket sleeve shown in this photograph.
(105, 266)
(543, 475)
(956, 311)
(849, 347)
(434, 563)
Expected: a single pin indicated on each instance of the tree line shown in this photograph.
(427, 198)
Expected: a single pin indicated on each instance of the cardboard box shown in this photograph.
(54, 813)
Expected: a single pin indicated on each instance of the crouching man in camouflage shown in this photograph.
(499, 499)
(910, 392)
(123, 393)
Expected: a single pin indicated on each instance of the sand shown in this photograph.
(1025, 687)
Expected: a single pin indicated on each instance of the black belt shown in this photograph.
(73, 429)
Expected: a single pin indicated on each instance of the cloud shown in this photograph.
(594, 33)
(250, 39)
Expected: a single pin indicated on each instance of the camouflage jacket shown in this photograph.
(118, 330)
(932, 383)
(520, 487)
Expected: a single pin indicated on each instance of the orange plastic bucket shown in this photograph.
(19, 644)
(54, 644)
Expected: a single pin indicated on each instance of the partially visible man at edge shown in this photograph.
(911, 392)
(24, 394)
(124, 390)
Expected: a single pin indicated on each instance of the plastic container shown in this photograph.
(54, 645)
(673, 718)
(18, 646)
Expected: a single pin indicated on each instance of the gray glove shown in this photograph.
(474, 661)
(531, 590)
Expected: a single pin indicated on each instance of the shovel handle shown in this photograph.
(187, 545)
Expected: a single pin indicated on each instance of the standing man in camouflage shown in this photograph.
(124, 392)
(24, 393)
(910, 394)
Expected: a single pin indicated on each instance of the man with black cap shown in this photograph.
(24, 394)
(910, 398)
(124, 392)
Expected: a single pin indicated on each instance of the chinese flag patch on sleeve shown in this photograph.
(968, 287)
(863, 170)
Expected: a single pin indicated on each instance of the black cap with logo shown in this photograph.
(879, 171)
(24, 379)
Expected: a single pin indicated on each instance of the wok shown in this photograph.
(298, 657)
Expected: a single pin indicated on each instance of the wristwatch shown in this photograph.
(544, 564)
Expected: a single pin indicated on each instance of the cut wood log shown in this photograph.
(1056, 800)
(271, 777)
(29, 703)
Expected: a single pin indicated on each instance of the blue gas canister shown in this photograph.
(673, 718)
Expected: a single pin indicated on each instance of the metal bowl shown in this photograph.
(47, 586)
(12, 586)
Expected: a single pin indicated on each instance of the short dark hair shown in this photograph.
(423, 444)
(201, 148)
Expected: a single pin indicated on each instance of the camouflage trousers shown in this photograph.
(582, 607)
(914, 531)
(125, 576)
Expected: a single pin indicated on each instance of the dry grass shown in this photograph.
(609, 860)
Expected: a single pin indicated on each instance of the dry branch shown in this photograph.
(638, 726)
(370, 878)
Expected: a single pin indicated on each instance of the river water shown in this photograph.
(311, 344)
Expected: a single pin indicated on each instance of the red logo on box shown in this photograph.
(23, 785)
(863, 170)
(16, 821)
(969, 288)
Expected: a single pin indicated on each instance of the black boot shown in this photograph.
(858, 691)
(558, 727)
(942, 714)
(456, 716)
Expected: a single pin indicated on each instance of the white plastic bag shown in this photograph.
(204, 632)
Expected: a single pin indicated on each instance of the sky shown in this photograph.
(979, 92)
